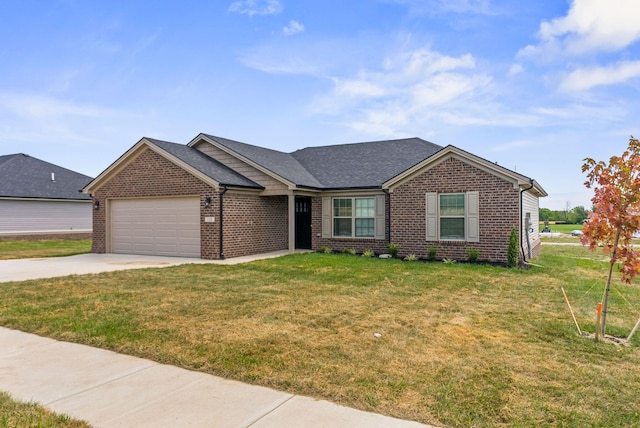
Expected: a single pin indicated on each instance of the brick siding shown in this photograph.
(254, 225)
(338, 244)
(151, 175)
(499, 205)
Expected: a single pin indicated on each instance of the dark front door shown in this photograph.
(303, 223)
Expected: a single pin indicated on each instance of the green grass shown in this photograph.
(16, 414)
(23, 249)
(460, 344)
(562, 228)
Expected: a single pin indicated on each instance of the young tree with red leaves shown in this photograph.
(616, 215)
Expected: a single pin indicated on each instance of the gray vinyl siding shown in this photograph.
(44, 216)
(241, 167)
(530, 204)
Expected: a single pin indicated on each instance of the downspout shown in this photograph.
(388, 204)
(524, 255)
(221, 213)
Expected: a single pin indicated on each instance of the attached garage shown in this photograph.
(156, 226)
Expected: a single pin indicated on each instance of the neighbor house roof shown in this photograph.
(23, 176)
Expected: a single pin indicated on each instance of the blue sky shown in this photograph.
(536, 86)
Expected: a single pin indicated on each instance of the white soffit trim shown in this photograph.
(203, 137)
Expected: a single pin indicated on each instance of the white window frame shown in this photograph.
(353, 217)
(379, 225)
(451, 216)
(471, 217)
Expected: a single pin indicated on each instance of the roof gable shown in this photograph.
(222, 174)
(23, 176)
(273, 162)
(518, 179)
(193, 161)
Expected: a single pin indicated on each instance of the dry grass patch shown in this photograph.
(458, 345)
(18, 414)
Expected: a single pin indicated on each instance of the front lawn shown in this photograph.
(445, 344)
(26, 249)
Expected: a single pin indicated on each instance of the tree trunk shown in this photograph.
(605, 299)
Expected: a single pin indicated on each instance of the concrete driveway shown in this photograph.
(24, 269)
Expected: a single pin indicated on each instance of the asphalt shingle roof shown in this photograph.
(363, 164)
(205, 164)
(283, 164)
(340, 166)
(23, 176)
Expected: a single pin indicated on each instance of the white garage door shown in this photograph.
(161, 227)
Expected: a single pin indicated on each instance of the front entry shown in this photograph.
(303, 223)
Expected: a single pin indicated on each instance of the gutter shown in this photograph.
(221, 222)
(524, 255)
(336, 189)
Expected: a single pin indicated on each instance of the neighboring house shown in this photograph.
(42, 198)
(216, 197)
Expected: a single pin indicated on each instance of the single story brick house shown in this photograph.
(215, 198)
(40, 198)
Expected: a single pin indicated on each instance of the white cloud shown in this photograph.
(513, 145)
(515, 69)
(589, 26)
(276, 64)
(467, 6)
(413, 87)
(39, 107)
(354, 88)
(256, 7)
(586, 78)
(292, 28)
(32, 117)
(482, 7)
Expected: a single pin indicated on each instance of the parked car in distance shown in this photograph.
(576, 232)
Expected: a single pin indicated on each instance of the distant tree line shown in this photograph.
(575, 215)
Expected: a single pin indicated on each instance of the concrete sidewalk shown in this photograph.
(113, 390)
